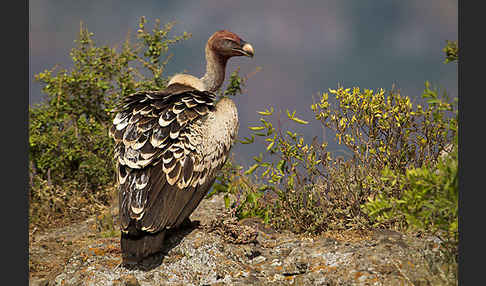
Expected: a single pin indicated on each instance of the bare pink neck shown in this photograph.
(215, 70)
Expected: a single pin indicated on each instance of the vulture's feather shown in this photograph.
(169, 146)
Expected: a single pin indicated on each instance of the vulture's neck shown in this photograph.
(215, 69)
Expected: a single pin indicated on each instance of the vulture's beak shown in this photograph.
(247, 49)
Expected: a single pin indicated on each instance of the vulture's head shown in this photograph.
(228, 44)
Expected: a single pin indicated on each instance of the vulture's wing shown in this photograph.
(161, 174)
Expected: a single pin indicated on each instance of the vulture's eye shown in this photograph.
(229, 43)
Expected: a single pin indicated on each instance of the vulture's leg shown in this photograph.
(137, 247)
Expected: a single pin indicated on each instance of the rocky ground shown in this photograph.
(218, 250)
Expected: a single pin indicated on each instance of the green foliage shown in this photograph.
(451, 51)
(428, 197)
(312, 191)
(63, 148)
(235, 83)
(246, 194)
(70, 151)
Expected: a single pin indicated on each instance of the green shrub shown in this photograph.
(428, 199)
(70, 151)
(305, 188)
(64, 149)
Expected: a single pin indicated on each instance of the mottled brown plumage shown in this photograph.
(169, 146)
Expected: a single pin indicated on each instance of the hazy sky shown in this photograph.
(303, 47)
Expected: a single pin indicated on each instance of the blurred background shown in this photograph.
(302, 47)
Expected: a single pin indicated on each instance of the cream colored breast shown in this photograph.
(218, 133)
(223, 122)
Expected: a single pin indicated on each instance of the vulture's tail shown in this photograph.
(135, 248)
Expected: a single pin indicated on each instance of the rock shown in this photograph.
(223, 251)
(130, 280)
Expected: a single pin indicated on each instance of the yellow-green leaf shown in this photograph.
(270, 145)
(256, 128)
(298, 120)
(251, 169)
(265, 113)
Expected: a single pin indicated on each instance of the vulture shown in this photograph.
(169, 146)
